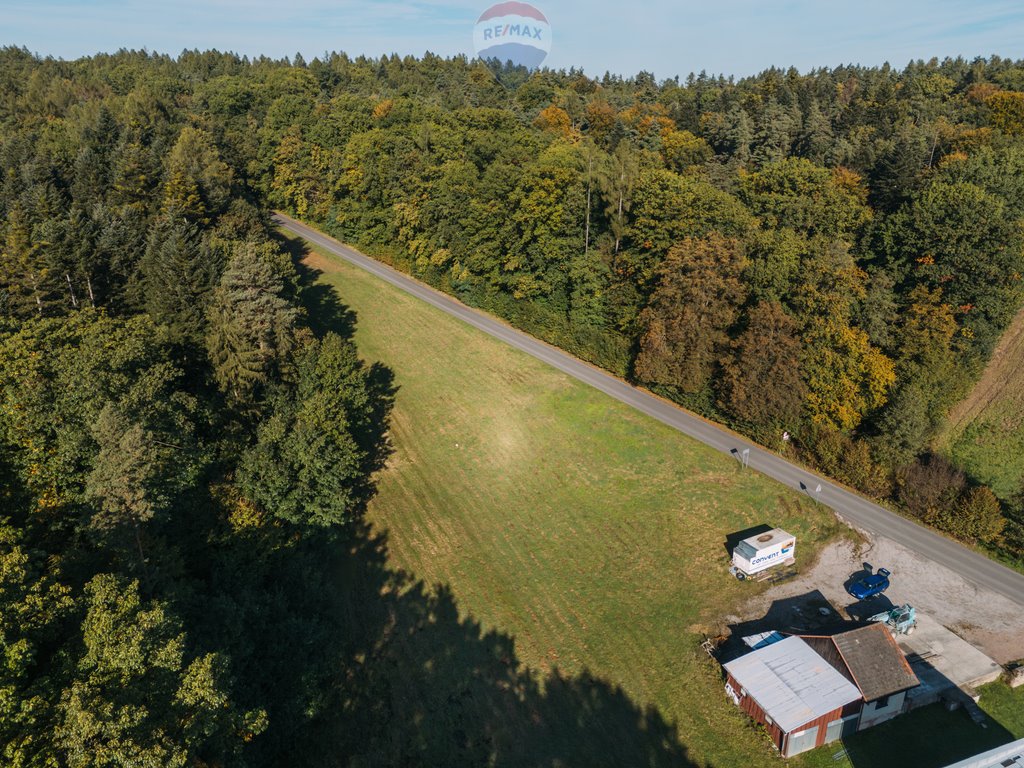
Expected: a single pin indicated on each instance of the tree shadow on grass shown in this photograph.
(325, 312)
(361, 664)
(376, 668)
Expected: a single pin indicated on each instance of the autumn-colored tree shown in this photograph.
(1006, 111)
(976, 516)
(554, 120)
(695, 302)
(682, 149)
(761, 382)
(846, 376)
(600, 120)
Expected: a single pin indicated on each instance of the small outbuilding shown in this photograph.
(870, 658)
(1008, 756)
(801, 699)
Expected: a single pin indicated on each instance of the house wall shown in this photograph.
(754, 711)
(872, 714)
(778, 736)
(821, 724)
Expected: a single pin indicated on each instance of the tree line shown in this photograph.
(174, 438)
(830, 256)
(186, 451)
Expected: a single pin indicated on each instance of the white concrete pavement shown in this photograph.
(852, 507)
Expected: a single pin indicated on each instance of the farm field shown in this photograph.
(985, 433)
(586, 532)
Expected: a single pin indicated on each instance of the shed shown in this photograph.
(870, 658)
(801, 699)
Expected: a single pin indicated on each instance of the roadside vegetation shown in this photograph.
(985, 432)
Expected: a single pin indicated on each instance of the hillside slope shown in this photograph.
(985, 432)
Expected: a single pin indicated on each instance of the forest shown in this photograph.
(185, 452)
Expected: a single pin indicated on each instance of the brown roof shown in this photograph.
(877, 664)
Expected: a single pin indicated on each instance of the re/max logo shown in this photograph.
(510, 30)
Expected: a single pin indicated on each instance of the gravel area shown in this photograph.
(988, 621)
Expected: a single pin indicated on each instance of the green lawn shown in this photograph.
(591, 534)
(991, 447)
(930, 737)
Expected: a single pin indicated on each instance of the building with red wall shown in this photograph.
(801, 699)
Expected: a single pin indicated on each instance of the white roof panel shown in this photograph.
(769, 539)
(1009, 755)
(792, 683)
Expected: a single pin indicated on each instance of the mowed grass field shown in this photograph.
(985, 433)
(591, 534)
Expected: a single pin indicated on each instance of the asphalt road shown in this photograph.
(852, 507)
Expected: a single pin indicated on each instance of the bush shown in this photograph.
(977, 516)
(930, 487)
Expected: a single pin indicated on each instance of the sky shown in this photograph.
(666, 37)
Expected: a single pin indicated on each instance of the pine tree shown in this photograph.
(177, 275)
(251, 323)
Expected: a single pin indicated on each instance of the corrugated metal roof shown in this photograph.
(1009, 755)
(792, 683)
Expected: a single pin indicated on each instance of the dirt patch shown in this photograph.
(989, 621)
(317, 261)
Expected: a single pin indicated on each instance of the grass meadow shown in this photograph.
(589, 534)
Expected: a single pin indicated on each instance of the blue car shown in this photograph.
(871, 586)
